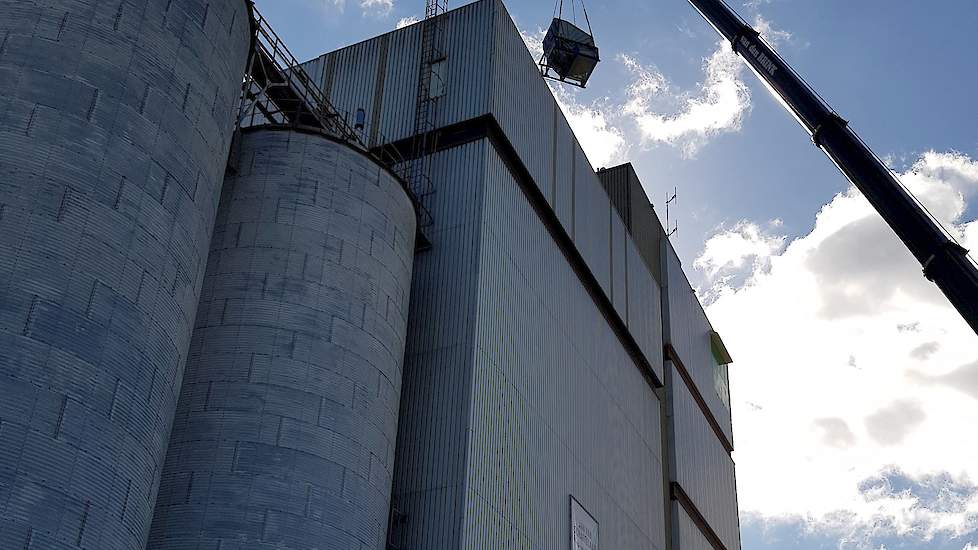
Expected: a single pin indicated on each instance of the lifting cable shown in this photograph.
(559, 13)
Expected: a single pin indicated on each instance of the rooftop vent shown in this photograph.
(569, 53)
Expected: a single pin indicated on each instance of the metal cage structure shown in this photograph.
(569, 53)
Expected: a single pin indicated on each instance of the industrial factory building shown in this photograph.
(381, 301)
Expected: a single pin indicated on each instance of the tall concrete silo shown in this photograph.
(285, 431)
(115, 123)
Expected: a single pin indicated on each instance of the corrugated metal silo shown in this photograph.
(286, 426)
(115, 123)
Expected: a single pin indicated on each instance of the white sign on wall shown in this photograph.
(583, 528)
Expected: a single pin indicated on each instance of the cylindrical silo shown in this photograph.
(285, 431)
(115, 123)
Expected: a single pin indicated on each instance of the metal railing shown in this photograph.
(277, 91)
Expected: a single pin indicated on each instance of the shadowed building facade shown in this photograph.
(555, 349)
(539, 375)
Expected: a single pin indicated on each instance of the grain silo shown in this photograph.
(115, 123)
(285, 430)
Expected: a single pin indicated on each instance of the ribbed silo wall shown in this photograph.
(115, 124)
(285, 431)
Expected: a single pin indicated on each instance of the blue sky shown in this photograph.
(849, 366)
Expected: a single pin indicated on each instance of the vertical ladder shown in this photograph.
(430, 89)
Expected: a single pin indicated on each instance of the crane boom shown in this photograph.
(944, 261)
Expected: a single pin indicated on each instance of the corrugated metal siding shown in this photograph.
(592, 227)
(619, 266)
(287, 419)
(563, 185)
(350, 75)
(400, 86)
(703, 467)
(552, 390)
(430, 459)
(617, 184)
(644, 308)
(629, 199)
(532, 121)
(687, 535)
(354, 77)
(689, 333)
(522, 102)
(115, 125)
(489, 71)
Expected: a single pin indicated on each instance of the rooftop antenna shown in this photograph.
(670, 230)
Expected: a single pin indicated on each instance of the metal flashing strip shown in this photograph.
(486, 126)
(677, 493)
(671, 355)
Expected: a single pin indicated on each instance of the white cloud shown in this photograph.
(406, 21)
(754, 4)
(688, 119)
(339, 5)
(658, 111)
(850, 363)
(744, 249)
(534, 41)
(379, 8)
(603, 143)
(775, 37)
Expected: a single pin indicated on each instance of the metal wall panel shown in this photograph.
(429, 475)
(619, 266)
(351, 79)
(552, 390)
(644, 307)
(563, 186)
(287, 420)
(702, 466)
(689, 333)
(115, 124)
(592, 226)
(629, 198)
(687, 536)
(489, 71)
(523, 104)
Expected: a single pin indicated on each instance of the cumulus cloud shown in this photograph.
(380, 8)
(603, 142)
(688, 119)
(963, 379)
(835, 432)
(925, 350)
(406, 21)
(338, 5)
(810, 424)
(774, 36)
(891, 424)
(939, 492)
(657, 110)
(731, 255)
(534, 41)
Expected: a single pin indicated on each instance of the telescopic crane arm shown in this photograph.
(944, 261)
